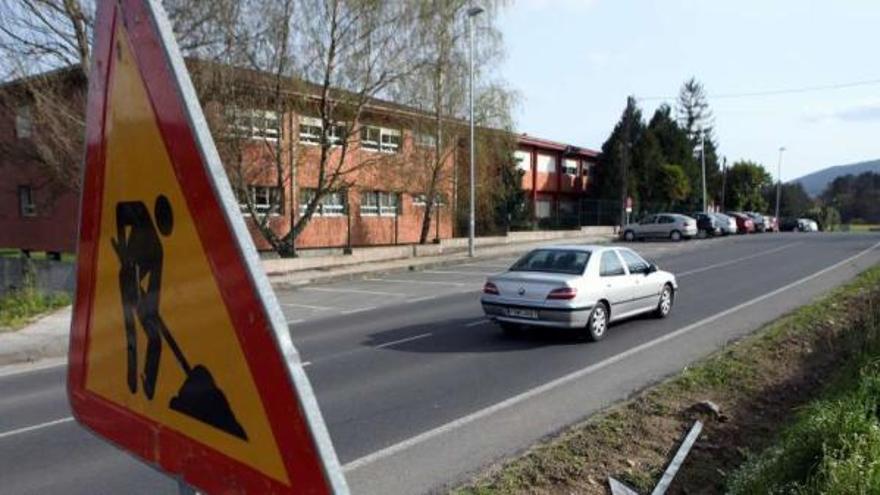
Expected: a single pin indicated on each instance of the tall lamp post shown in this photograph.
(703, 161)
(471, 13)
(779, 182)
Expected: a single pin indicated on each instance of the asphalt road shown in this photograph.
(418, 389)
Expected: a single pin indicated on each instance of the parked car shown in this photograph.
(662, 225)
(772, 223)
(707, 223)
(581, 288)
(807, 225)
(788, 224)
(759, 221)
(744, 223)
(726, 223)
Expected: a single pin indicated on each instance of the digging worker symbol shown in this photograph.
(139, 249)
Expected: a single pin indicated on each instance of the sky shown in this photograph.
(574, 62)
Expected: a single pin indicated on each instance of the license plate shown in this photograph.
(522, 313)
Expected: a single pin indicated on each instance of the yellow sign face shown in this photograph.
(162, 343)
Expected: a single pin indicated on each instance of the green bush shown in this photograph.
(19, 307)
(833, 447)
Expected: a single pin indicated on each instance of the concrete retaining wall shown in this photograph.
(446, 246)
(49, 276)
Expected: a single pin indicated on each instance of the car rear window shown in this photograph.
(553, 261)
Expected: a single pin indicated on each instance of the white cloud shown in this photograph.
(866, 111)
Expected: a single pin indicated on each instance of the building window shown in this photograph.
(425, 140)
(543, 208)
(570, 167)
(523, 160)
(421, 200)
(588, 170)
(332, 204)
(379, 203)
(546, 164)
(310, 131)
(380, 139)
(24, 122)
(26, 206)
(567, 207)
(260, 124)
(265, 200)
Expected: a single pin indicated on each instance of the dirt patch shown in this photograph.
(758, 383)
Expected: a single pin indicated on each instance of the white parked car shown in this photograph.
(807, 225)
(661, 226)
(583, 288)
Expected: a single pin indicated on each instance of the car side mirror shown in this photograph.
(651, 269)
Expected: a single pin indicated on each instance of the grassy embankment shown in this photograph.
(799, 402)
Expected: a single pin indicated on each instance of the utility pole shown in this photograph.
(703, 160)
(724, 185)
(471, 13)
(779, 182)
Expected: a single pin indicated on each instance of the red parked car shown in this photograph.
(744, 224)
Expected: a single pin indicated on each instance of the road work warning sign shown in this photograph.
(179, 352)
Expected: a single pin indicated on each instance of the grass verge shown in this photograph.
(819, 351)
(23, 306)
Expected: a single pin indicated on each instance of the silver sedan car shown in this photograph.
(577, 287)
(661, 226)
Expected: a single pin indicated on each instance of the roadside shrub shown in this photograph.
(17, 307)
(833, 447)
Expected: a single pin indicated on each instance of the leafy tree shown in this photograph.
(746, 181)
(793, 201)
(855, 196)
(647, 161)
(616, 156)
(674, 183)
(697, 121)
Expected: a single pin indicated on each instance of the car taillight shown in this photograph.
(564, 293)
(490, 288)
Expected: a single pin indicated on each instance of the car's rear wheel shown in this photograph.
(629, 236)
(675, 236)
(597, 325)
(664, 306)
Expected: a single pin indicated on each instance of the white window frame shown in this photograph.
(570, 167)
(546, 164)
(382, 139)
(389, 204)
(244, 122)
(332, 204)
(419, 200)
(586, 169)
(261, 196)
(523, 160)
(538, 210)
(425, 140)
(370, 209)
(26, 205)
(24, 122)
(335, 136)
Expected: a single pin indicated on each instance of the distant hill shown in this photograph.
(816, 182)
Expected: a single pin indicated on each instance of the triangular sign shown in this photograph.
(179, 351)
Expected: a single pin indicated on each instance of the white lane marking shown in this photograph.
(21, 369)
(477, 322)
(357, 310)
(40, 426)
(470, 272)
(307, 306)
(423, 282)
(576, 375)
(293, 322)
(306, 363)
(737, 260)
(420, 299)
(354, 291)
(401, 341)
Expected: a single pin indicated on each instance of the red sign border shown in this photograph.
(166, 449)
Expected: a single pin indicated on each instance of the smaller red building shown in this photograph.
(557, 176)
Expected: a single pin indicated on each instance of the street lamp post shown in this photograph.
(471, 13)
(703, 160)
(779, 182)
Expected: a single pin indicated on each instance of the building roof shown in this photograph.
(569, 149)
